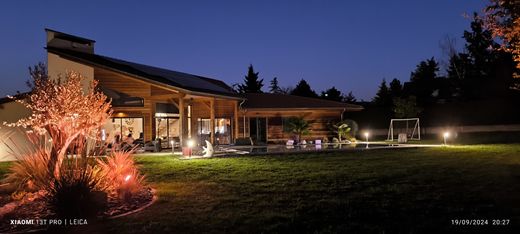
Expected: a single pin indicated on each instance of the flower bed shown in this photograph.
(34, 206)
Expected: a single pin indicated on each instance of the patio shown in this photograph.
(233, 150)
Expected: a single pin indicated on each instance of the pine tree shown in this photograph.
(274, 87)
(303, 89)
(382, 97)
(395, 88)
(423, 83)
(425, 70)
(252, 84)
(480, 45)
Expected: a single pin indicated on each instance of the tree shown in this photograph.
(395, 88)
(406, 107)
(274, 88)
(252, 84)
(286, 90)
(459, 66)
(350, 98)
(38, 73)
(480, 45)
(332, 94)
(304, 89)
(63, 110)
(426, 70)
(422, 81)
(298, 126)
(382, 97)
(502, 18)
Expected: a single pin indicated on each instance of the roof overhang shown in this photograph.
(162, 85)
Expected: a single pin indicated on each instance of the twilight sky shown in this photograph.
(348, 44)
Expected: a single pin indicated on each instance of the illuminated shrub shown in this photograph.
(120, 173)
(30, 173)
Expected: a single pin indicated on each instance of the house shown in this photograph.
(151, 102)
(265, 115)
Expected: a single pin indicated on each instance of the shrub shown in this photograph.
(121, 175)
(353, 128)
(30, 171)
(78, 191)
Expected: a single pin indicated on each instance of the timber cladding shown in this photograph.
(137, 88)
(319, 120)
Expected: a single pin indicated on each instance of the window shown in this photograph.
(222, 130)
(123, 127)
(167, 129)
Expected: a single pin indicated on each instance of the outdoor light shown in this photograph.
(103, 135)
(173, 146)
(366, 136)
(446, 135)
(127, 178)
(191, 143)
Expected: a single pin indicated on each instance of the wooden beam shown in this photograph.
(212, 120)
(152, 124)
(235, 115)
(181, 120)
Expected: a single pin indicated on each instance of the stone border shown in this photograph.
(154, 199)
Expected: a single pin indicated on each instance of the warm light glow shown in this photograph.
(446, 135)
(191, 143)
(103, 135)
(127, 178)
(367, 134)
(171, 142)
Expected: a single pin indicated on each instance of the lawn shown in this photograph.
(396, 190)
(400, 190)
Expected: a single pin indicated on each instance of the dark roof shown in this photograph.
(69, 37)
(282, 101)
(176, 79)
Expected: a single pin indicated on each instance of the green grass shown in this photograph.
(404, 190)
(398, 190)
(465, 138)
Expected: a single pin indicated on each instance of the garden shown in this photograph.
(58, 175)
(403, 190)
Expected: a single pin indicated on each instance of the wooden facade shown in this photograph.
(274, 123)
(199, 107)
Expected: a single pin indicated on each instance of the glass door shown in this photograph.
(222, 131)
(167, 129)
(258, 129)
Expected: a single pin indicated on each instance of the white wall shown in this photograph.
(57, 66)
(11, 137)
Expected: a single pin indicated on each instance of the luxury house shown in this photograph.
(151, 102)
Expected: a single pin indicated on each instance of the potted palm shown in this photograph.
(298, 126)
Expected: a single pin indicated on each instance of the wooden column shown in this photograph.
(181, 120)
(152, 124)
(212, 119)
(235, 116)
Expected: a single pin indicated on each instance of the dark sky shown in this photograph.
(348, 44)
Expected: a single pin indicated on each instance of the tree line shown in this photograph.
(253, 84)
(481, 70)
(484, 69)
